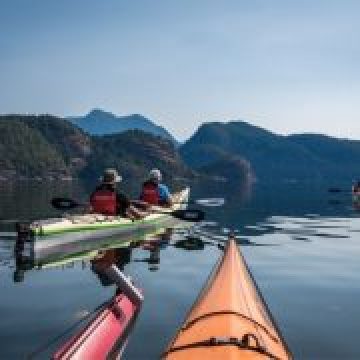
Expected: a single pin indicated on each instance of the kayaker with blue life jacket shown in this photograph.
(106, 200)
(154, 192)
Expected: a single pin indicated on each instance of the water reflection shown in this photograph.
(119, 257)
(110, 322)
(154, 246)
(196, 238)
(303, 252)
(121, 254)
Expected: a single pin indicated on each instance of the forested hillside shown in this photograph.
(47, 147)
(307, 157)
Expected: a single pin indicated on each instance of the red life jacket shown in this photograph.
(103, 202)
(150, 193)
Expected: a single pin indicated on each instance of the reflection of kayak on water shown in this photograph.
(230, 319)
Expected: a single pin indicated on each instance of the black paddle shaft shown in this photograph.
(194, 215)
(64, 203)
(189, 215)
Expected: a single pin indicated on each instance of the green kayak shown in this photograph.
(58, 236)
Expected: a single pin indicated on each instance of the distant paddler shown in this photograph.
(356, 188)
(356, 195)
(106, 200)
(154, 192)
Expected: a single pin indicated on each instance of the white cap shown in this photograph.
(110, 176)
(155, 174)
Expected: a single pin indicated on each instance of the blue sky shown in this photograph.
(288, 66)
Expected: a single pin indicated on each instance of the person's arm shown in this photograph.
(126, 209)
(89, 207)
(139, 204)
(135, 214)
(165, 196)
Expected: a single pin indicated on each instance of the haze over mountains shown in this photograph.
(48, 147)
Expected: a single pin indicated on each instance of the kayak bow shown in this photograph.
(105, 335)
(230, 319)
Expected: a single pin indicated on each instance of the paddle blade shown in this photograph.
(211, 202)
(10, 221)
(64, 203)
(8, 235)
(189, 215)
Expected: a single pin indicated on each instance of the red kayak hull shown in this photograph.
(107, 331)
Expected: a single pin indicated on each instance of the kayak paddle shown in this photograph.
(336, 190)
(8, 235)
(182, 214)
(11, 221)
(61, 203)
(209, 202)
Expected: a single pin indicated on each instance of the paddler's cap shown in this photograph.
(110, 176)
(155, 174)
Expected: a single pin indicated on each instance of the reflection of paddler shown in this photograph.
(23, 264)
(154, 246)
(190, 243)
(119, 257)
(160, 240)
(154, 259)
(108, 266)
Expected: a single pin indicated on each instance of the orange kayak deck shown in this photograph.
(230, 319)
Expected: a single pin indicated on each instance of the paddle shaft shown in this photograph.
(182, 214)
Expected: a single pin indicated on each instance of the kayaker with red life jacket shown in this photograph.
(107, 200)
(154, 192)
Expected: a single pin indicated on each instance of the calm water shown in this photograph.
(302, 247)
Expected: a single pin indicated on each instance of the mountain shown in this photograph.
(273, 157)
(99, 122)
(73, 144)
(134, 153)
(25, 153)
(231, 172)
(234, 153)
(48, 147)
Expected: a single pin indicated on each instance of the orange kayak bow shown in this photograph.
(230, 319)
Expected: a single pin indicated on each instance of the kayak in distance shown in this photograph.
(355, 191)
(356, 197)
(54, 237)
(230, 319)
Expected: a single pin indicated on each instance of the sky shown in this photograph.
(287, 66)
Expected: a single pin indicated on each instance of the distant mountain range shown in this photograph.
(48, 147)
(305, 157)
(99, 122)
